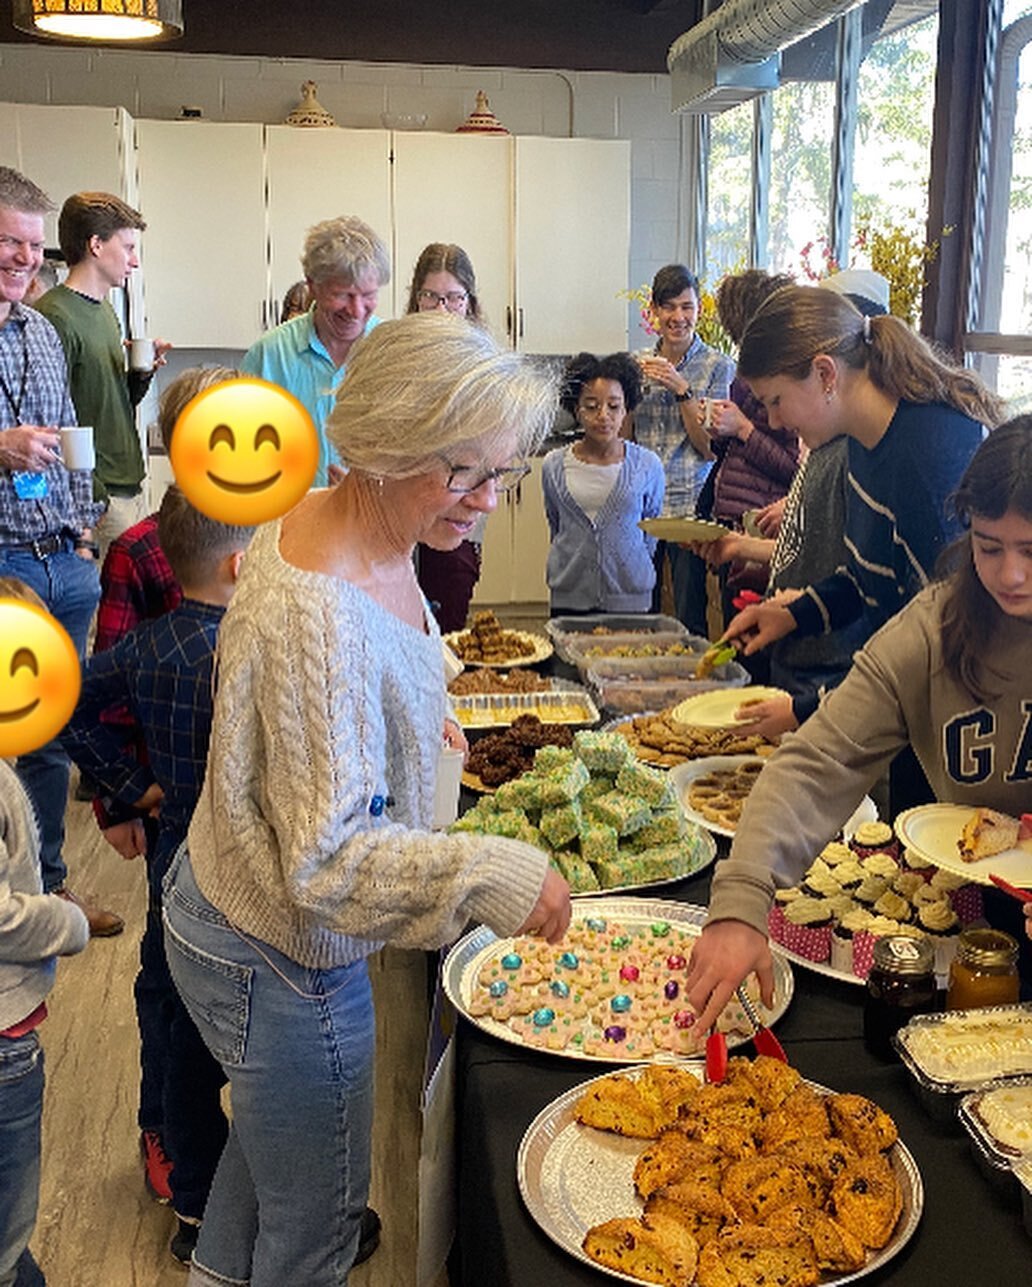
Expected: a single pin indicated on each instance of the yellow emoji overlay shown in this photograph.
(39, 677)
(244, 451)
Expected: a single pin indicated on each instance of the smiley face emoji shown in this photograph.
(244, 451)
(39, 677)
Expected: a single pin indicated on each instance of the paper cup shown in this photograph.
(141, 355)
(446, 788)
(77, 447)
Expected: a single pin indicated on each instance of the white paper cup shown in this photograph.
(446, 788)
(77, 447)
(141, 355)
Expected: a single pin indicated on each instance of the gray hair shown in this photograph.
(21, 194)
(345, 248)
(428, 384)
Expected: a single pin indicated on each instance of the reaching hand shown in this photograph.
(722, 550)
(769, 519)
(727, 951)
(550, 915)
(760, 625)
(454, 737)
(769, 718)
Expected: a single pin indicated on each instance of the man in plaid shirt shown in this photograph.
(46, 511)
(162, 673)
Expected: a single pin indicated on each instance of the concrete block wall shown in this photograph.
(158, 84)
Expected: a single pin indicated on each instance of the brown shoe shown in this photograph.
(103, 924)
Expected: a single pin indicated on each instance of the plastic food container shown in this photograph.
(585, 650)
(1001, 1160)
(564, 631)
(628, 685)
(566, 704)
(963, 1051)
(1023, 1175)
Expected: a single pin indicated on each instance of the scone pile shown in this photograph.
(759, 1180)
(606, 821)
(854, 893)
(606, 990)
(486, 641)
(719, 796)
(661, 740)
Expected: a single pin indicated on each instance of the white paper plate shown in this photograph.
(683, 775)
(572, 1177)
(683, 529)
(932, 830)
(716, 709)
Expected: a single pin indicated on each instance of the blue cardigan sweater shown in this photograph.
(604, 565)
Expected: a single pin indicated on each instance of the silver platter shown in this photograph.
(467, 956)
(707, 848)
(572, 1177)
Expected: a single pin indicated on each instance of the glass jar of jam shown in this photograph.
(901, 984)
(984, 971)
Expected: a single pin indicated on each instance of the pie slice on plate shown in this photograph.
(987, 832)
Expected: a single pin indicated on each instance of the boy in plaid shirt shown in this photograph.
(162, 673)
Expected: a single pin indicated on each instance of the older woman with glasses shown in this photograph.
(310, 846)
(443, 281)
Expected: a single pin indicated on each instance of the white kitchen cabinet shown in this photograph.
(317, 174)
(516, 544)
(572, 240)
(205, 266)
(69, 149)
(456, 188)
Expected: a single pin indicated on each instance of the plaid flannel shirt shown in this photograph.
(30, 350)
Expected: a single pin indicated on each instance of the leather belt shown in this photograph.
(44, 547)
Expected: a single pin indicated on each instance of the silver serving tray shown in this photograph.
(464, 960)
(572, 1177)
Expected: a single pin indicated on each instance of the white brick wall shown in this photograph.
(583, 104)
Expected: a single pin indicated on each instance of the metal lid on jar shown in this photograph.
(902, 954)
(987, 949)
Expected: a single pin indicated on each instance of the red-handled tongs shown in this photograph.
(763, 1039)
(1022, 895)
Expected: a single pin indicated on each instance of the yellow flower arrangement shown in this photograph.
(897, 251)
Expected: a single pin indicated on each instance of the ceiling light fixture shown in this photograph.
(100, 19)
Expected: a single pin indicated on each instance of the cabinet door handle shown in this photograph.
(520, 314)
(508, 321)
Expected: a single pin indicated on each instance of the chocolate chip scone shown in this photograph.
(861, 1123)
(655, 1249)
(866, 1199)
(750, 1255)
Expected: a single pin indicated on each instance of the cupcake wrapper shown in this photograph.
(863, 953)
(967, 904)
(891, 848)
(842, 953)
(945, 950)
(811, 942)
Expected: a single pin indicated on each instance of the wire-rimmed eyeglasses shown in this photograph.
(450, 299)
(463, 479)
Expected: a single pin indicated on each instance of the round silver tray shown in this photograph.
(467, 956)
(572, 1177)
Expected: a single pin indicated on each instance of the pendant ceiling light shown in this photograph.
(100, 19)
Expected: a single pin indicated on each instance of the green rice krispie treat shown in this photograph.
(579, 875)
(561, 823)
(626, 813)
(660, 863)
(600, 784)
(666, 827)
(562, 784)
(510, 822)
(547, 758)
(523, 792)
(598, 842)
(602, 752)
(649, 784)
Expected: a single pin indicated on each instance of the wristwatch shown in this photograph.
(684, 397)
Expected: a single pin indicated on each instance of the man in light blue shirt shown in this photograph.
(345, 264)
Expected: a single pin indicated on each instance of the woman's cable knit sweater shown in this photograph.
(325, 701)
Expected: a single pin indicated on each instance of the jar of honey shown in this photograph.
(901, 983)
(984, 972)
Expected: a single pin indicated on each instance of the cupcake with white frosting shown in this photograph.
(964, 898)
(941, 925)
(881, 864)
(874, 837)
(844, 934)
(870, 889)
(894, 906)
(804, 927)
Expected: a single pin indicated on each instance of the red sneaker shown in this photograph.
(156, 1166)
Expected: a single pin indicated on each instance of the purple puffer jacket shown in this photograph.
(754, 473)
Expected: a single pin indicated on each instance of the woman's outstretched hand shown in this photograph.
(550, 916)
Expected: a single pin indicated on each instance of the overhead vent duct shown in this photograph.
(735, 54)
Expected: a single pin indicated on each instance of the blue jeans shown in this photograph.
(21, 1111)
(297, 1046)
(70, 588)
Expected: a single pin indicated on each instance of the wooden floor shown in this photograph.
(97, 1227)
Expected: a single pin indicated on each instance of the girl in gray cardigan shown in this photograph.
(596, 491)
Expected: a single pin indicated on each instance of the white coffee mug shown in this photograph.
(446, 787)
(77, 447)
(142, 355)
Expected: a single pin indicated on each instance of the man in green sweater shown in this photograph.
(97, 234)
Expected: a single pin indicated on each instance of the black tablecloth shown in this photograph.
(971, 1231)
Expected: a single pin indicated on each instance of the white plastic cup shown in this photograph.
(446, 788)
(142, 355)
(77, 447)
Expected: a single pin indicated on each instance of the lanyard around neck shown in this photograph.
(16, 404)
